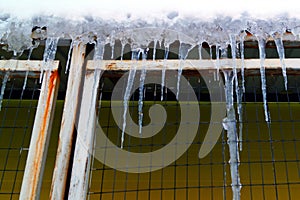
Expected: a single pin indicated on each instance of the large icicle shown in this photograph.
(262, 55)
(4, 81)
(238, 92)
(242, 51)
(163, 72)
(184, 49)
(141, 89)
(280, 50)
(132, 71)
(49, 53)
(229, 124)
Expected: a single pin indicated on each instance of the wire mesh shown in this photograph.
(269, 165)
(269, 162)
(17, 116)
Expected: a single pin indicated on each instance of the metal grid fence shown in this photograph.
(269, 162)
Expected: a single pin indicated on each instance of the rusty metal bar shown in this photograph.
(85, 137)
(193, 64)
(70, 113)
(41, 132)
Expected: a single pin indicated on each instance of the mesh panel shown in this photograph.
(17, 116)
(269, 162)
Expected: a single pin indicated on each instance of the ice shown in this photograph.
(132, 72)
(210, 52)
(262, 55)
(3, 86)
(141, 89)
(122, 51)
(163, 72)
(218, 65)
(99, 50)
(24, 83)
(184, 49)
(280, 49)
(200, 50)
(239, 97)
(112, 44)
(49, 54)
(154, 48)
(17, 37)
(242, 52)
(238, 91)
(229, 124)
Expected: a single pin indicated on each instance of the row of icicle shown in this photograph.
(231, 81)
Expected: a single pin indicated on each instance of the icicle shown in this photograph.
(239, 94)
(183, 53)
(229, 124)
(69, 57)
(242, 38)
(99, 50)
(132, 71)
(122, 51)
(262, 55)
(200, 50)
(154, 49)
(210, 52)
(4, 81)
(27, 72)
(112, 49)
(30, 52)
(24, 83)
(141, 90)
(154, 91)
(280, 50)
(163, 75)
(240, 114)
(112, 44)
(216, 76)
(49, 54)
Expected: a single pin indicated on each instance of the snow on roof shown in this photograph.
(118, 9)
(210, 21)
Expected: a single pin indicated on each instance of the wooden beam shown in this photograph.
(85, 138)
(249, 64)
(70, 114)
(27, 65)
(36, 159)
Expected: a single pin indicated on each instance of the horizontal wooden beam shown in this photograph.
(112, 65)
(27, 65)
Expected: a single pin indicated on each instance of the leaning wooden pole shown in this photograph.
(70, 113)
(36, 159)
(85, 138)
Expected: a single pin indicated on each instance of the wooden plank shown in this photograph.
(27, 65)
(36, 159)
(249, 64)
(70, 114)
(85, 138)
